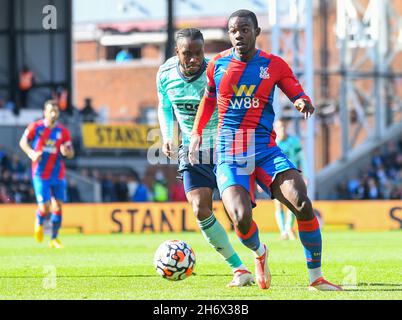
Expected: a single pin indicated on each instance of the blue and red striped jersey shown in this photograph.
(244, 92)
(48, 140)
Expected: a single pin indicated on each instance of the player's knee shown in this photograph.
(201, 211)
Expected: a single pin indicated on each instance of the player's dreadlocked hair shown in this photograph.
(192, 33)
(243, 13)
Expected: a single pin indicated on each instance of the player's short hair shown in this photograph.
(52, 103)
(192, 33)
(243, 13)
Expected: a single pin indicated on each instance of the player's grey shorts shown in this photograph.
(197, 175)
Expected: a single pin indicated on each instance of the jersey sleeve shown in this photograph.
(165, 110)
(289, 84)
(30, 131)
(208, 102)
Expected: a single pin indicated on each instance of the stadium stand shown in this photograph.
(381, 179)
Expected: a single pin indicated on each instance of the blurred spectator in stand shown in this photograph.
(61, 96)
(88, 113)
(108, 188)
(177, 192)
(26, 82)
(396, 193)
(382, 178)
(4, 159)
(359, 192)
(16, 194)
(138, 191)
(16, 167)
(124, 55)
(342, 191)
(160, 190)
(376, 159)
(353, 185)
(73, 194)
(381, 175)
(5, 196)
(121, 189)
(6, 178)
(10, 105)
(372, 190)
(24, 189)
(84, 173)
(387, 190)
(31, 193)
(95, 174)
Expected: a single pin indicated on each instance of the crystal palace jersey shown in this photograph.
(244, 92)
(182, 96)
(48, 140)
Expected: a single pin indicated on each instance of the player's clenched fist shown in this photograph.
(304, 106)
(194, 148)
(167, 149)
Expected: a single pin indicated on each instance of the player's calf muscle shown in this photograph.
(304, 208)
(243, 224)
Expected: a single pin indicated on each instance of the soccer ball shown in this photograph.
(174, 260)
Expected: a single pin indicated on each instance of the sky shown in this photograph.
(112, 10)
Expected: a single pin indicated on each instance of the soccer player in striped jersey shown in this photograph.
(292, 148)
(242, 81)
(46, 142)
(181, 82)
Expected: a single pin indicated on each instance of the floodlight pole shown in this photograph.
(170, 30)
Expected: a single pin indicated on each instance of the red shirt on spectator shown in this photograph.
(177, 193)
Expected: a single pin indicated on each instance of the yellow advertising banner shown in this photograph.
(98, 136)
(114, 218)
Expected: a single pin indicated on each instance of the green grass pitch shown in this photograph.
(120, 267)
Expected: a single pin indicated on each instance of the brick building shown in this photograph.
(127, 90)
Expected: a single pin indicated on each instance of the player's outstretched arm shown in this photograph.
(293, 89)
